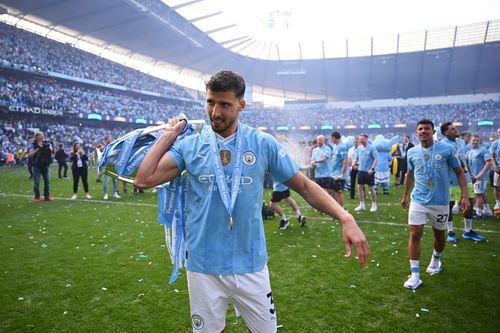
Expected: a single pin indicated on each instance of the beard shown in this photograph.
(220, 125)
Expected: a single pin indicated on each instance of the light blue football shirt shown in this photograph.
(366, 156)
(212, 248)
(339, 154)
(441, 159)
(495, 149)
(322, 169)
(460, 148)
(477, 159)
(279, 187)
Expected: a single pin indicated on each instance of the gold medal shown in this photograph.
(430, 183)
(230, 223)
(225, 157)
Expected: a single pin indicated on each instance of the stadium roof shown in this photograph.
(315, 29)
(167, 41)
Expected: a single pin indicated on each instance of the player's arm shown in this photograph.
(484, 169)
(374, 164)
(319, 199)
(494, 160)
(409, 182)
(158, 167)
(464, 201)
(344, 167)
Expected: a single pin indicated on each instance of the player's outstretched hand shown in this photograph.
(352, 235)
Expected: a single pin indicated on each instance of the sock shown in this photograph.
(498, 202)
(283, 217)
(362, 203)
(486, 207)
(298, 213)
(414, 267)
(468, 225)
(436, 256)
(479, 212)
(449, 225)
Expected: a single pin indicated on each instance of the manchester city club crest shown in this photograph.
(197, 322)
(249, 158)
(225, 157)
(437, 157)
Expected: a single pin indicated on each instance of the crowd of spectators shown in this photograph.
(68, 97)
(19, 47)
(74, 98)
(387, 117)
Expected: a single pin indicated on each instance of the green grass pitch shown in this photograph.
(97, 266)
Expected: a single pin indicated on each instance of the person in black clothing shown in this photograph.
(406, 146)
(79, 168)
(29, 159)
(61, 157)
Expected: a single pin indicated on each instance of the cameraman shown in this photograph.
(41, 152)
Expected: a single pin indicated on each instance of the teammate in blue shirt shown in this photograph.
(338, 166)
(495, 161)
(450, 132)
(282, 192)
(428, 175)
(478, 163)
(320, 162)
(227, 256)
(367, 158)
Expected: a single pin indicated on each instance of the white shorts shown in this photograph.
(480, 186)
(210, 295)
(436, 215)
(496, 179)
(382, 177)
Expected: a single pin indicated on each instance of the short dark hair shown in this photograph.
(336, 135)
(426, 122)
(226, 81)
(444, 126)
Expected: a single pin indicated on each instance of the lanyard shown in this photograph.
(229, 199)
(429, 171)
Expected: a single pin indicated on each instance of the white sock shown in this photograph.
(468, 225)
(414, 266)
(449, 225)
(436, 256)
(298, 213)
(486, 207)
(362, 203)
(498, 202)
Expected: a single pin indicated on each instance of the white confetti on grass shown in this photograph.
(104, 289)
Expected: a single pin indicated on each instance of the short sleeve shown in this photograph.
(454, 162)
(280, 165)
(175, 152)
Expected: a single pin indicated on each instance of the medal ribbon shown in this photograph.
(228, 199)
(429, 171)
